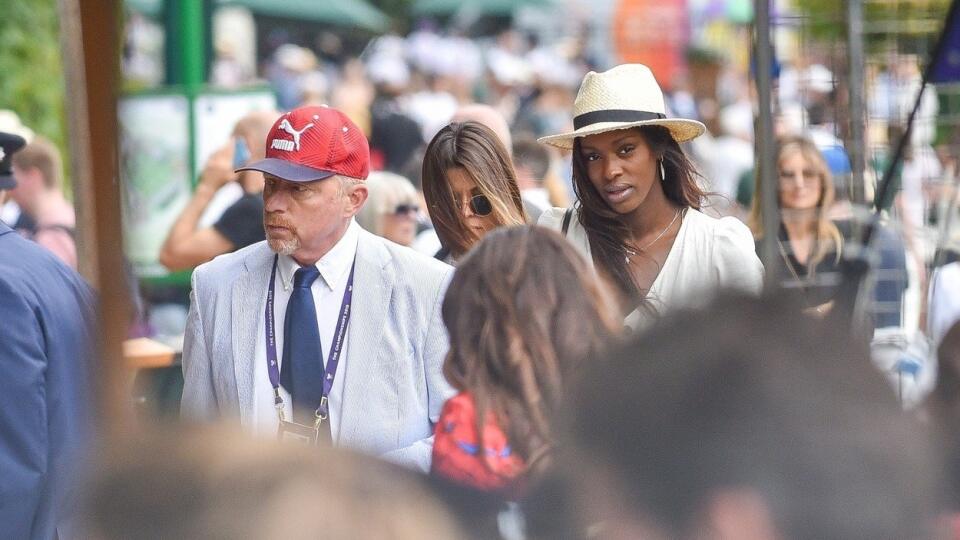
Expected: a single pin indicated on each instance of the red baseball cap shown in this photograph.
(313, 143)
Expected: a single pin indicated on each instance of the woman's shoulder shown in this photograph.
(723, 229)
(460, 404)
(732, 251)
(457, 452)
(552, 218)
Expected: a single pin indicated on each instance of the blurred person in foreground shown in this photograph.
(187, 244)
(637, 216)
(38, 171)
(943, 404)
(46, 340)
(526, 317)
(787, 435)
(391, 209)
(198, 484)
(324, 333)
(470, 187)
(809, 243)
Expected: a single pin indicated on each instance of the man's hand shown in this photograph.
(187, 245)
(218, 170)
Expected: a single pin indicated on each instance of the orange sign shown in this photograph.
(652, 32)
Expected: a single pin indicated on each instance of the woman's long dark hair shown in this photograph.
(606, 232)
(524, 312)
(476, 149)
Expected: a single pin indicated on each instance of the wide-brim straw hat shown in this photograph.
(622, 97)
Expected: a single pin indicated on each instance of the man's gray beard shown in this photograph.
(284, 247)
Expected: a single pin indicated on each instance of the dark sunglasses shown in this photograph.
(404, 209)
(480, 205)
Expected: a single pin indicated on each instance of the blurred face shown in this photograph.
(621, 167)
(28, 185)
(302, 219)
(474, 208)
(400, 223)
(800, 182)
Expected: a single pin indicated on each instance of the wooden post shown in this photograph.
(90, 42)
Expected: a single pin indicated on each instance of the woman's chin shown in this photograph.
(624, 208)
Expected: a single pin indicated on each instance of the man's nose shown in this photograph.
(274, 201)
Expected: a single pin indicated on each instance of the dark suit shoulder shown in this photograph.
(31, 270)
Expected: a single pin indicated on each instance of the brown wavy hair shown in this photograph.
(524, 312)
(476, 149)
(828, 235)
(605, 230)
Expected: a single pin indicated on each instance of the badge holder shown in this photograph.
(303, 434)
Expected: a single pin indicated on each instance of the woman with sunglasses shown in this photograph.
(637, 215)
(809, 242)
(391, 209)
(470, 187)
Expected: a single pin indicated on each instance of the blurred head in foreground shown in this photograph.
(944, 407)
(218, 484)
(526, 317)
(739, 422)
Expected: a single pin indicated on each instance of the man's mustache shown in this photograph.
(277, 222)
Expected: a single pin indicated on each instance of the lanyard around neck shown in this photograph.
(332, 360)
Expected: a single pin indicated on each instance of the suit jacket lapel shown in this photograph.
(373, 286)
(248, 301)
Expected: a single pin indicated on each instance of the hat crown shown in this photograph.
(625, 87)
(320, 138)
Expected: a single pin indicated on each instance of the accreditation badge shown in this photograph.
(298, 433)
(315, 435)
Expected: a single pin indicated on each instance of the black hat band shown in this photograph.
(614, 115)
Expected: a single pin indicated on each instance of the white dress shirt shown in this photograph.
(327, 292)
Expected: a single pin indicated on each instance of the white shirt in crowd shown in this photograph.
(708, 256)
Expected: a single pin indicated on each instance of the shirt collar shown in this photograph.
(333, 266)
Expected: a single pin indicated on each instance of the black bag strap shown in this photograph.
(566, 221)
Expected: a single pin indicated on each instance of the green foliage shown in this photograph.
(907, 24)
(31, 69)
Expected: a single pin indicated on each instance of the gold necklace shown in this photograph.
(786, 261)
(631, 253)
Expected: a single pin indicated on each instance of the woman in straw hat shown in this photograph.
(637, 212)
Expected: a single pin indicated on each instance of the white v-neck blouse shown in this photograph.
(708, 256)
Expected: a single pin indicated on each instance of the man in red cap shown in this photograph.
(324, 332)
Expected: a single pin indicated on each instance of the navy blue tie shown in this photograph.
(302, 370)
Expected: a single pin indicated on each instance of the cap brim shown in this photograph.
(681, 129)
(286, 170)
(7, 182)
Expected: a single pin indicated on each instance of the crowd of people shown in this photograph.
(503, 336)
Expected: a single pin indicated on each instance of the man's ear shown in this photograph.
(356, 197)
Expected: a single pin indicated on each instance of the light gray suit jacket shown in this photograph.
(393, 388)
